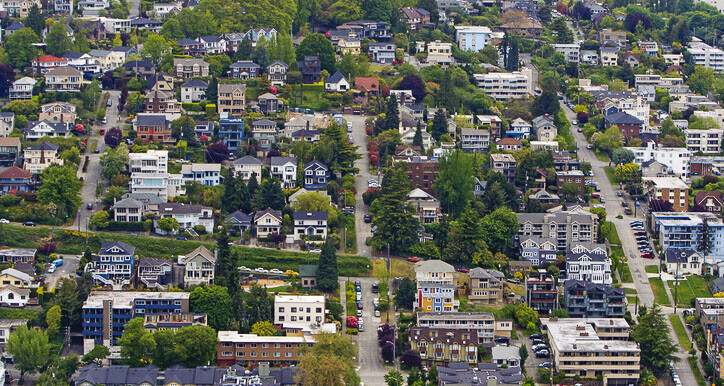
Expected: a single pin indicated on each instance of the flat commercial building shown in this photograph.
(483, 323)
(298, 308)
(671, 189)
(592, 348)
(250, 349)
(675, 158)
(506, 85)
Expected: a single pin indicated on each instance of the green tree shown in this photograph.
(393, 216)
(377, 10)
(705, 243)
(653, 336)
(169, 225)
(455, 181)
(546, 103)
(263, 328)
(270, 195)
(215, 302)
(394, 378)
(317, 45)
(330, 361)
(52, 319)
(154, 48)
(327, 272)
(196, 346)
(499, 227)
(30, 349)
(58, 42)
(417, 139)
(61, 187)
(183, 128)
(164, 355)
(466, 240)
(622, 156)
(115, 161)
(100, 219)
(68, 297)
(439, 124)
(35, 20)
(244, 51)
(392, 114)
(219, 65)
(561, 32)
(137, 343)
(430, 6)
(610, 140)
(20, 49)
(97, 354)
(315, 202)
(405, 294)
(260, 306)
(701, 80)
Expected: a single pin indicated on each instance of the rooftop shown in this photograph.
(235, 337)
(126, 299)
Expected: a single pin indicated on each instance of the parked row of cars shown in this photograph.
(642, 240)
(540, 348)
(274, 271)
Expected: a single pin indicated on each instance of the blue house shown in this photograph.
(316, 175)
(114, 264)
(231, 132)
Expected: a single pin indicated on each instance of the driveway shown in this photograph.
(68, 269)
(363, 230)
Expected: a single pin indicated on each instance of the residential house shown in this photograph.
(709, 201)
(568, 178)
(14, 180)
(308, 275)
(265, 133)
(38, 157)
(436, 287)
(438, 346)
(161, 81)
(504, 164)
(571, 52)
(277, 73)
(11, 296)
(506, 355)
(479, 188)
(22, 88)
(383, 52)
(40, 129)
(162, 102)
(269, 104)
(114, 263)
(414, 17)
(426, 206)
(231, 132)
(629, 125)
(589, 265)
(202, 173)
(267, 222)
(231, 99)
(45, 63)
(162, 185)
(311, 225)
(519, 129)
(152, 127)
(58, 112)
(254, 34)
(526, 28)
(245, 69)
(538, 250)
(285, 169)
(540, 292)
(619, 37)
(311, 69)
(63, 79)
(15, 278)
(367, 86)
(140, 68)
(630, 59)
(336, 83)
(154, 272)
(349, 45)
(188, 216)
(152, 161)
(128, 210)
(671, 189)
(204, 128)
(589, 57)
(119, 55)
(508, 144)
(11, 8)
(190, 68)
(316, 175)
(245, 166)
(9, 151)
(474, 140)
(440, 53)
(7, 327)
(240, 221)
(490, 122)
(683, 261)
(213, 44)
(164, 10)
(649, 48)
(142, 23)
(585, 299)
(199, 267)
(544, 128)
(17, 257)
(193, 91)
(486, 286)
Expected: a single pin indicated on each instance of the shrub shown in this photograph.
(210, 109)
(47, 248)
(200, 229)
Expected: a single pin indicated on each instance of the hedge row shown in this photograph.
(129, 226)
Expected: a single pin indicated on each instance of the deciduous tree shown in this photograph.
(215, 302)
(330, 361)
(263, 328)
(137, 343)
(61, 187)
(30, 349)
(455, 181)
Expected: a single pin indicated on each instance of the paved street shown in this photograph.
(68, 269)
(370, 367)
(360, 139)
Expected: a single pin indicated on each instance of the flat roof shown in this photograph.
(299, 299)
(578, 335)
(235, 337)
(667, 182)
(455, 315)
(127, 298)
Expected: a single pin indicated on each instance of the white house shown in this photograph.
(336, 83)
(439, 53)
(193, 91)
(267, 222)
(245, 166)
(685, 261)
(204, 174)
(676, 158)
(285, 169)
(572, 52)
(187, 215)
(152, 161)
(310, 225)
(13, 296)
(45, 128)
(22, 88)
(199, 266)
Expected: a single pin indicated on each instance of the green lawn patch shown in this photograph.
(16, 313)
(625, 273)
(692, 287)
(611, 174)
(652, 269)
(631, 299)
(601, 156)
(630, 291)
(350, 236)
(351, 299)
(680, 331)
(617, 250)
(695, 369)
(657, 285)
(611, 234)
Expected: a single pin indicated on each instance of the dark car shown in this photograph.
(620, 194)
(89, 206)
(375, 288)
(110, 102)
(640, 233)
(536, 336)
(542, 354)
(368, 218)
(624, 204)
(181, 238)
(628, 211)
(29, 224)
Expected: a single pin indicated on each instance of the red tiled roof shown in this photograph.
(48, 59)
(367, 84)
(15, 172)
(509, 141)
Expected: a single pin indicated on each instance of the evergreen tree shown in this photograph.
(225, 260)
(244, 51)
(439, 124)
(270, 195)
(327, 275)
(253, 184)
(454, 183)
(392, 215)
(705, 244)
(264, 85)
(392, 115)
(35, 20)
(652, 335)
(417, 139)
(513, 55)
(212, 91)
(430, 6)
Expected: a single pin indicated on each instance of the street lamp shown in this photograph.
(394, 350)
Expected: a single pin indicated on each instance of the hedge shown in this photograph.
(195, 107)
(210, 109)
(17, 313)
(126, 226)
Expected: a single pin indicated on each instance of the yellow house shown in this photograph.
(13, 277)
(349, 45)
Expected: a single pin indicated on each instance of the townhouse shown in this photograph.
(585, 299)
(589, 265)
(561, 227)
(538, 250)
(436, 284)
(540, 292)
(231, 99)
(483, 323)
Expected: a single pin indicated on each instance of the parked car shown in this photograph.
(647, 255)
(413, 259)
(536, 336)
(359, 296)
(537, 342)
(243, 268)
(29, 224)
(628, 211)
(278, 272)
(359, 313)
(261, 270)
(181, 239)
(463, 270)
(89, 206)
(542, 354)
(368, 219)
(377, 313)
(51, 269)
(640, 233)
(359, 304)
(58, 262)
(624, 204)
(545, 364)
(620, 194)
(539, 347)
(4, 221)
(589, 147)
(375, 288)
(317, 250)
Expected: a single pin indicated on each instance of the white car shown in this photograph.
(261, 270)
(276, 271)
(51, 269)
(4, 221)
(243, 268)
(377, 313)
(315, 251)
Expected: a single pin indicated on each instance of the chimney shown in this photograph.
(263, 369)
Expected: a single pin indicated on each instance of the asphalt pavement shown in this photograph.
(370, 368)
(363, 229)
(68, 269)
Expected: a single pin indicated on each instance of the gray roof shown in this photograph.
(320, 216)
(490, 274)
(308, 270)
(148, 198)
(622, 118)
(137, 63)
(263, 122)
(433, 266)
(15, 26)
(717, 285)
(278, 161)
(244, 64)
(201, 375)
(592, 256)
(178, 208)
(590, 286)
(276, 213)
(247, 160)
(542, 121)
(195, 83)
(125, 248)
(116, 375)
(42, 146)
(336, 78)
(240, 217)
(559, 217)
(58, 127)
(151, 120)
(152, 262)
(679, 255)
(128, 203)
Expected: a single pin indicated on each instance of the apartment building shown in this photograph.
(309, 309)
(203, 174)
(439, 346)
(710, 312)
(572, 52)
(105, 313)
(677, 159)
(152, 161)
(482, 323)
(231, 99)
(707, 56)
(705, 141)
(540, 292)
(63, 79)
(683, 230)
(474, 140)
(165, 102)
(562, 227)
(584, 299)
(173, 322)
(440, 53)
(594, 348)
(571, 177)
(250, 349)
(504, 164)
(671, 189)
(423, 172)
(506, 85)
(472, 38)
(486, 286)
(436, 285)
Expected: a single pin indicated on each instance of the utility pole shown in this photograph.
(676, 280)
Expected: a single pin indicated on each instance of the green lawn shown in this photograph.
(625, 273)
(692, 287)
(611, 174)
(611, 234)
(631, 299)
(680, 331)
(657, 285)
(601, 156)
(695, 369)
(630, 291)
(652, 269)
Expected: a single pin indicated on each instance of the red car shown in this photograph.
(413, 259)
(463, 270)
(647, 255)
